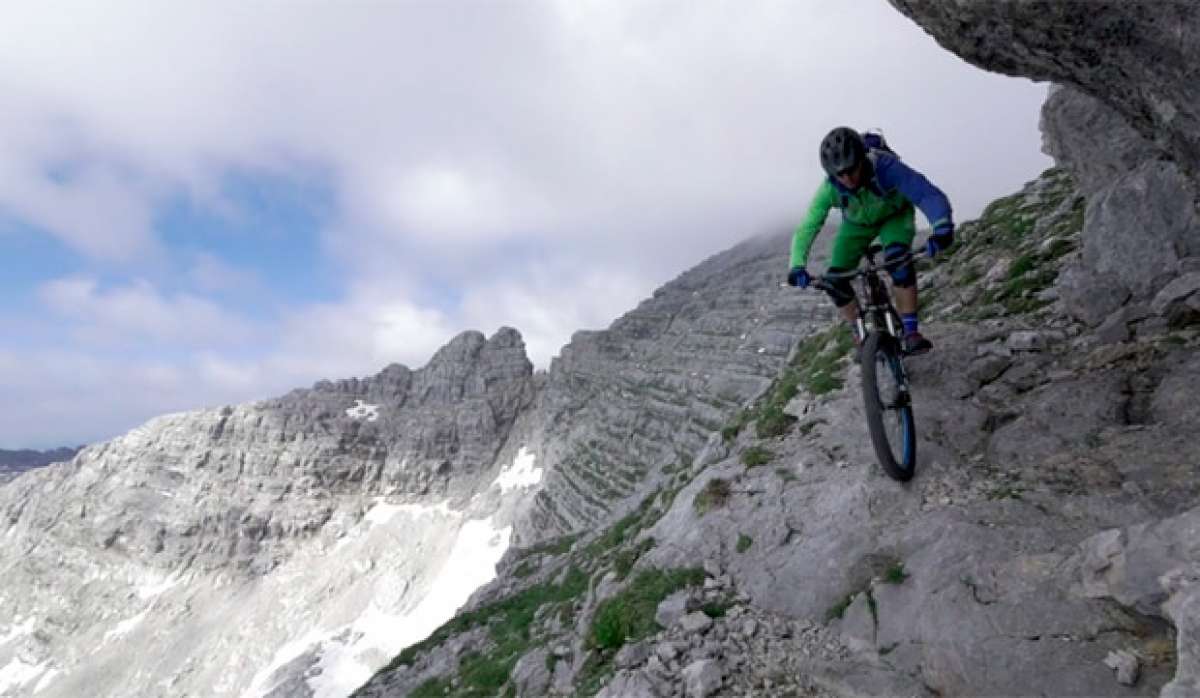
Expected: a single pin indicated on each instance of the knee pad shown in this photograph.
(840, 291)
(904, 275)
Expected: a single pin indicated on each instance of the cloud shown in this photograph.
(137, 313)
(448, 123)
(539, 164)
(212, 274)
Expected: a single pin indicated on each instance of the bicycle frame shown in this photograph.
(879, 309)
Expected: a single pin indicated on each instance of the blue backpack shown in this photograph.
(874, 140)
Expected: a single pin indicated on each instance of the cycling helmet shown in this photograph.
(841, 150)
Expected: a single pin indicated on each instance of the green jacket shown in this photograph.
(863, 207)
(892, 184)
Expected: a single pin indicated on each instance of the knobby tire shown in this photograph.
(881, 352)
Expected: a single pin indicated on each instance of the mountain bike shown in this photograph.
(886, 396)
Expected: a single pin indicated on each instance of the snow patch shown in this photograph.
(46, 680)
(282, 656)
(521, 473)
(154, 585)
(18, 629)
(383, 512)
(124, 627)
(362, 410)
(18, 673)
(470, 565)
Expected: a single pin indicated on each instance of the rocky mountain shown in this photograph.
(293, 546)
(686, 503)
(13, 463)
(1047, 545)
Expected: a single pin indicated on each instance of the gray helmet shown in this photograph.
(841, 150)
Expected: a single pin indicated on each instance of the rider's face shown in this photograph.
(852, 178)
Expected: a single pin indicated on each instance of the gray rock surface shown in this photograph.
(620, 405)
(702, 678)
(247, 547)
(1138, 57)
(530, 674)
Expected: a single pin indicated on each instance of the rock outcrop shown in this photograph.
(1139, 57)
(644, 395)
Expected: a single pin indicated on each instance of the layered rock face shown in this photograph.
(622, 405)
(230, 488)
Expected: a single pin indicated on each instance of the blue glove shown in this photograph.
(939, 241)
(799, 277)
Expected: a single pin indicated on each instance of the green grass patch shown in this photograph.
(786, 474)
(730, 432)
(438, 687)
(970, 276)
(819, 358)
(526, 568)
(1021, 265)
(756, 456)
(624, 529)
(629, 616)
(481, 675)
(713, 495)
(715, 609)
(895, 574)
(839, 609)
(744, 542)
(1004, 493)
(625, 559)
(772, 422)
(1058, 247)
(508, 619)
(554, 546)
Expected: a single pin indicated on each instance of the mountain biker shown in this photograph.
(878, 195)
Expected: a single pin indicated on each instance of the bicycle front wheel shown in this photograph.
(888, 406)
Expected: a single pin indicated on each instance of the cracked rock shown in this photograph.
(1126, 665)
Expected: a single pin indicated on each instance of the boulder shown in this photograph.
(530, 674)
(672, 609)
(702, 678)
(1177, 300)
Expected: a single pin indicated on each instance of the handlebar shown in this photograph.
(830, 277)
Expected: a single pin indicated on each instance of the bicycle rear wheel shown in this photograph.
(888, 406)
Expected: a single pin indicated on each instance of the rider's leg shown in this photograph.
(848, 247)
(897, 235)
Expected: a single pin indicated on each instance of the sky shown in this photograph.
(208, 203)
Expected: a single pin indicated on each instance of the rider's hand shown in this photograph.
(799, 277)
(939, 241)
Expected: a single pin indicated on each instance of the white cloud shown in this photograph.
(542, 165)
(210, 273)
(137, 313)
(476, 121)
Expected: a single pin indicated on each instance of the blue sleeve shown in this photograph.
(894, 174)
